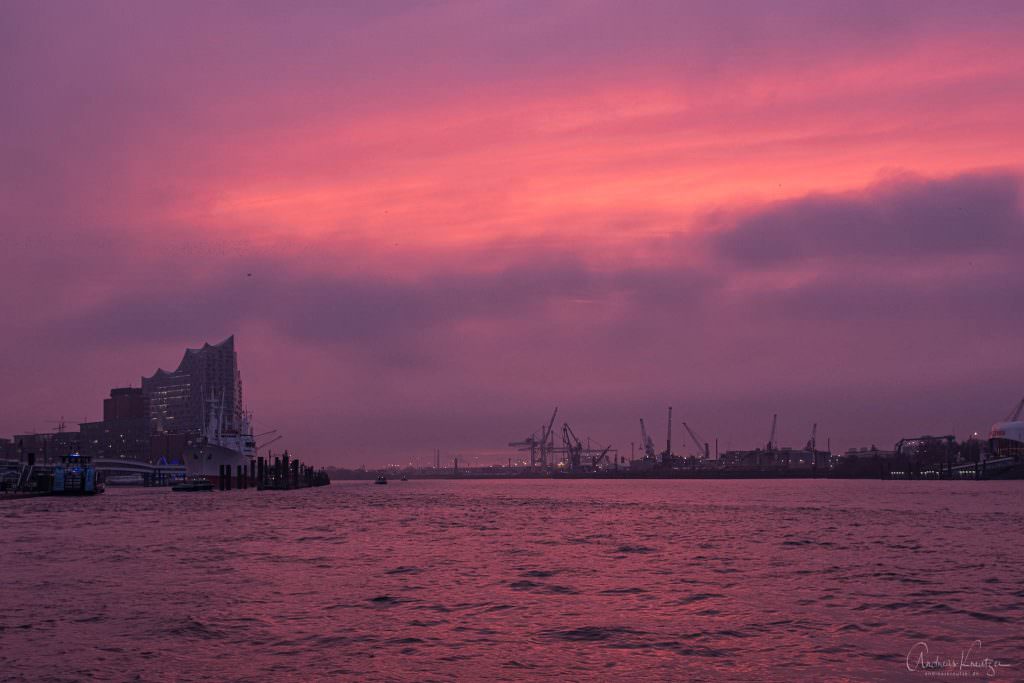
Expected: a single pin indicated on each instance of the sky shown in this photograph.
(430, 223)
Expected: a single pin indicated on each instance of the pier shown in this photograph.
(280, 474)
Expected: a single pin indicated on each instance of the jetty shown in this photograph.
(282, 473)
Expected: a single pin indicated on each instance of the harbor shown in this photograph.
(175, 431)
(558, 453)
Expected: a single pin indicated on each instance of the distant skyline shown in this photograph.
(428, 224)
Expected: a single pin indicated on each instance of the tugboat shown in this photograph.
(75, 476)
(193, 484)
(381, 480)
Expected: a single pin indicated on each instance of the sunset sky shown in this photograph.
(429, 223)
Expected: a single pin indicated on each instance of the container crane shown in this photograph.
(667, 456)
(812, 444)
(1015, 414)
(646, 442)
(701, 444)
(573, 446)
(771, 439)
(598, 459)
(545, 443)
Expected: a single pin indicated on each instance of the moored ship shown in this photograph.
(220, 446)
(1007, 437)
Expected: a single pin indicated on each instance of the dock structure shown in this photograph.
(283, 473)
(286, 473)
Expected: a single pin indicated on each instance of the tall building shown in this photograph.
(206, 380)
(124, 404)
(124, 431)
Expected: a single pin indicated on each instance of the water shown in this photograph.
(513, 580)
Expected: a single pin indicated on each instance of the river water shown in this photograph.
(670, 580)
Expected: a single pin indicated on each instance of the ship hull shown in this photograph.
(206, 460)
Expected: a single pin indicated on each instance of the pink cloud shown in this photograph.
(456, 214)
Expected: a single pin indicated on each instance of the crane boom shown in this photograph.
(668, 441)
(264, 445)
(573, 446)
(648, 443)
(697, 441)
(1015, 415)
(771, 439)
(546, 434)
(596, 460)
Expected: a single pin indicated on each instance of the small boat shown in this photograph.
(381, 480)
(193, 484)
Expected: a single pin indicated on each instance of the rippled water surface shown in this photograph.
(513, 580)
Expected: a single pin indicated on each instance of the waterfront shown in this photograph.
(511, 580)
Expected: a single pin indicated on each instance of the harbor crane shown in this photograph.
(812, 444)
(647, 442)
(570, 452)
(547, 441)
(573, 446)
(667, 455)
(530, 443)
(701, 444)
(771, 439)
(545, 444)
